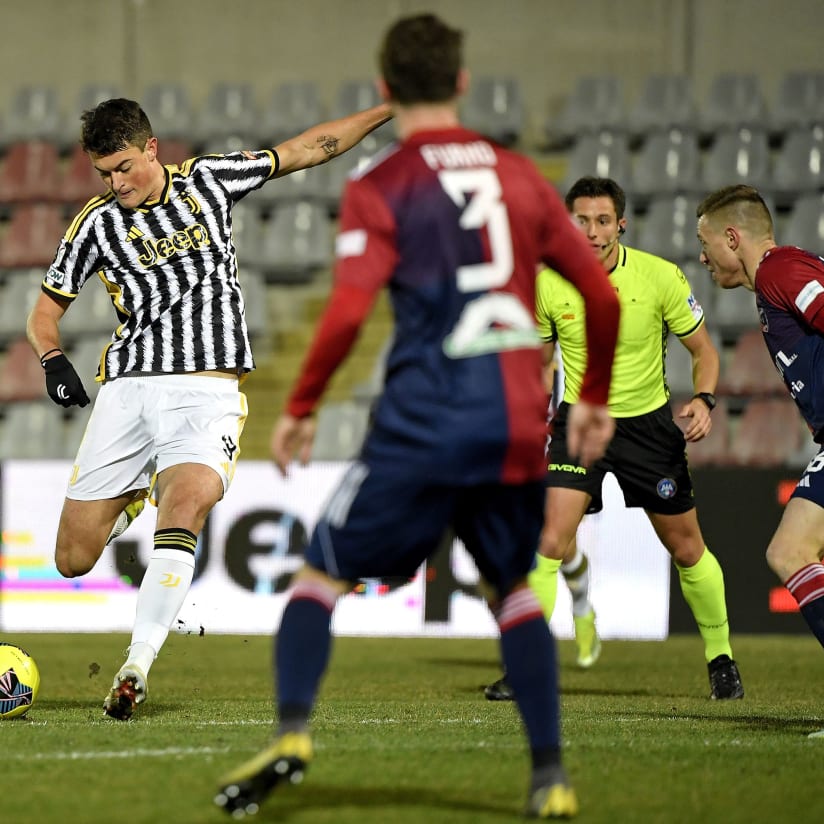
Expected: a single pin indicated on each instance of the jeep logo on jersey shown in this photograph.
(153, 251)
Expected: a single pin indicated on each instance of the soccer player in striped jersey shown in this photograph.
(738, 247)
(454, 227)
(160, 241)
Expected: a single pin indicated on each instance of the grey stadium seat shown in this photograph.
(668, 161)
(494, 107)
(666, 102)
(734, 100)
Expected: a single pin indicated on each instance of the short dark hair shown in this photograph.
(114, 125)
(740, 201)
(420, 59)
(597, 187)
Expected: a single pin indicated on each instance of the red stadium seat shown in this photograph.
(21, 375)
(30, 173)
(81, 182)
(769, 433)
(750, 370)
(32, 236)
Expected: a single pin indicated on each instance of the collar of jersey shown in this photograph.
(164, 195)
(622, 258)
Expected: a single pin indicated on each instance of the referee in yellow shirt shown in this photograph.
(647, 454)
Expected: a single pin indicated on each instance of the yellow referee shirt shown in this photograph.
(655, 299)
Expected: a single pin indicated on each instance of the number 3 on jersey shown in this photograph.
(474, 333)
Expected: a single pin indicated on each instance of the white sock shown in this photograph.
(576, 575)
(162, 593)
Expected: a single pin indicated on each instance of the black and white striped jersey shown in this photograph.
(170, 268)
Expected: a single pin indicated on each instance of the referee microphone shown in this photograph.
(610, 243)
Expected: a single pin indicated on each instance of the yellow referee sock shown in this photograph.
(543, 580)
(703, 588)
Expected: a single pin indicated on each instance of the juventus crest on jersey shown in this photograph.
(170, 268)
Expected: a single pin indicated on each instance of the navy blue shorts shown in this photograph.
(811, 485)
(382, 522)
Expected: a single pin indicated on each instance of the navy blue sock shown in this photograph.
(807, 587)
(814, 616)
(528, 651)
(302, 648)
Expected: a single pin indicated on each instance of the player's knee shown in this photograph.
(778, 560)
(71, 562)
(553, 545)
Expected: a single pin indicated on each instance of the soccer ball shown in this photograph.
(19, 681)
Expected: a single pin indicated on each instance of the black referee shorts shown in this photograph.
(647, 455)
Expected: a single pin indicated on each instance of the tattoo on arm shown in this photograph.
(329, 143)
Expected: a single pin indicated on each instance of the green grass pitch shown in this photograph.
(403, 734)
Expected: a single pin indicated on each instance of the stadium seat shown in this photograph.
(356, 95)
(170, 110)
(75, 428)
(32, 236)
(85, 357)
(254, 298)
(804, 226)
(703, 288)
(228, 114)
(247, 233)
(17, 297)
(666, 102)
(734, 312)
(749, 370)
(32, 429)
(91, 312)
(88, 96)
(174, 152)
(734, 100)
(34, 114)
(297, 241)
(799, 164)
(668, 228)
(603, 154)
(80, 181)
(30, 173)
(679, 365)
(799, 101)
(739, 155)
(21, 375)
(494, 107)
(292, 108)
(668, 161)
(768, 433)
(712, 450)
(353, 96)
(596, 103)
(341, 428)
(304, 184)
(340, 169)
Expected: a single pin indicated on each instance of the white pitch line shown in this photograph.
(135, 753)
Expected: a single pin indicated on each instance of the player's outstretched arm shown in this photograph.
(292, 436)
(327, 140)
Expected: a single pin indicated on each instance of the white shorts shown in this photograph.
(141, 425)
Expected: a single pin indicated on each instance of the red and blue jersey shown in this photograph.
(455, 226)
(789, 294)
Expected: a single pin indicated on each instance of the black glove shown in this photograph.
(63, 383)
